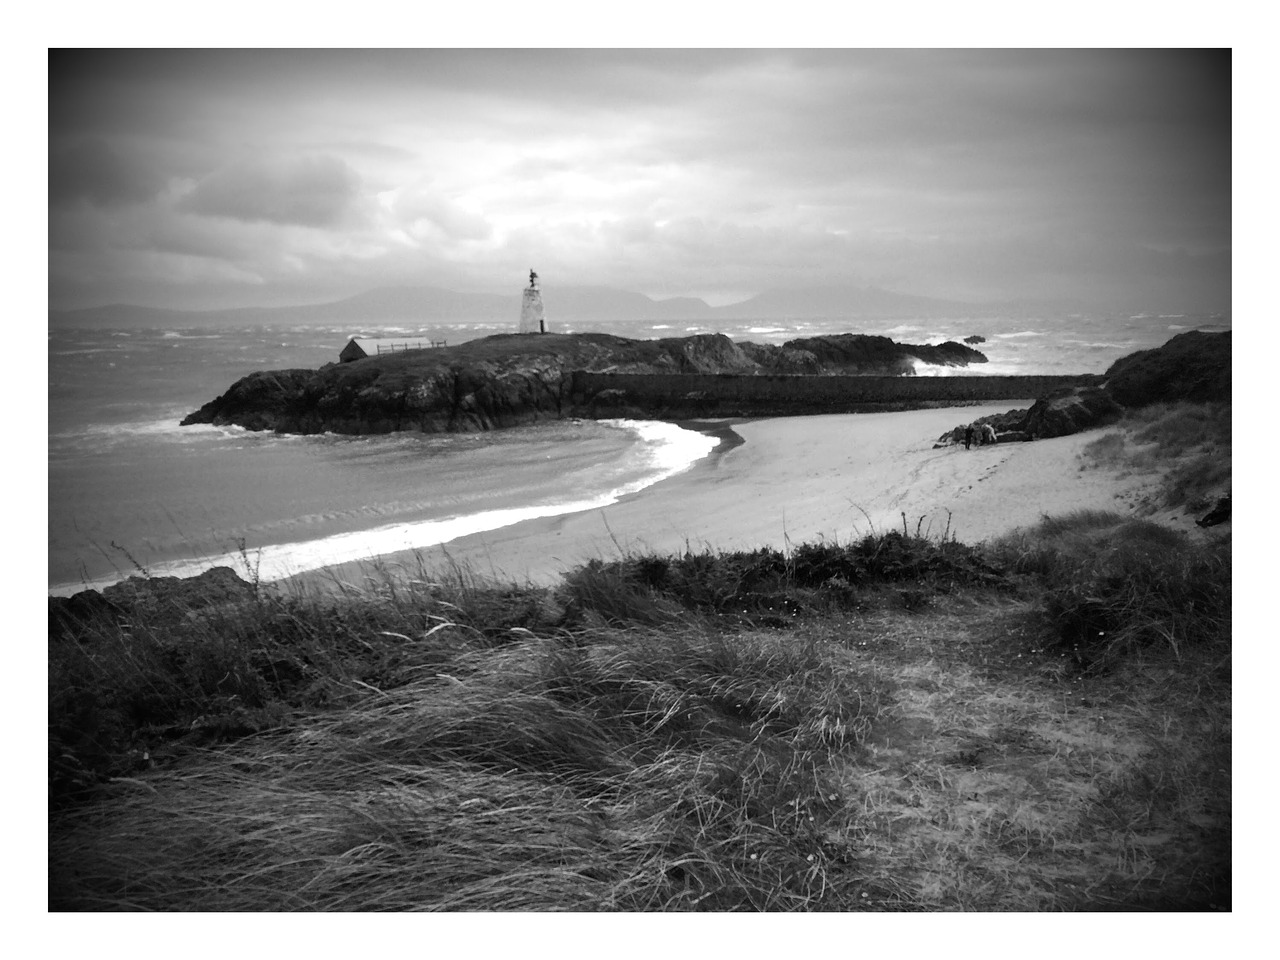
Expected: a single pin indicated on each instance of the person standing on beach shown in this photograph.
(988, 433)
(968, 436)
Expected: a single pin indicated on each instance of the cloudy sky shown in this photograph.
(201, 179)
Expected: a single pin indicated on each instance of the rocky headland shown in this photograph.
(509, 379)
(1193, 366)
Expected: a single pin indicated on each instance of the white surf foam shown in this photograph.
(668, 449)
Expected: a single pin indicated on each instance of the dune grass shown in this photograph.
(771, 587)
(896, 723)
(1191, 442)
(1113, 585)
(632, 771)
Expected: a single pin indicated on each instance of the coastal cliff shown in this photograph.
(510, 379)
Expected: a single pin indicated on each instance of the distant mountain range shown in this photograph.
(574, 305)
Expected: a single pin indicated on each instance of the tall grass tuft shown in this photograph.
(1190, 441)
(263, 830)
(669, 768)
(1181, 428)
(130, 685)
(1114, 585)
(770, 587)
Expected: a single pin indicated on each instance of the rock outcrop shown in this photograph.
(1009, 427)
(859, 354)
(1193, 366)
(178, 595)
(1069, 411)
(1221, 513)
(214, 586)
(509, 379)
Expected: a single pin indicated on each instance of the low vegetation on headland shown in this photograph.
(901, 722)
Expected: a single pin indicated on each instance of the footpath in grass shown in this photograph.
(1002, 778)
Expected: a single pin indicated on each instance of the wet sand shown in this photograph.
(797, 479)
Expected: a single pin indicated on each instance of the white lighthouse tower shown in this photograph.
(532, 319)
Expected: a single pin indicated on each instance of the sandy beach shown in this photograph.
(799, 479)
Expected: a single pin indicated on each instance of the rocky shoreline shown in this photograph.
(509, 379)
(1193, 367)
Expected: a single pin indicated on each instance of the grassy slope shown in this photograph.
(1192, 442)
(893, 724)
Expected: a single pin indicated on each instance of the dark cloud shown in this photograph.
(91, 170)
(308, 192)
(210, 238)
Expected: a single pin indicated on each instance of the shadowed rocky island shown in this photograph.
(509, 379)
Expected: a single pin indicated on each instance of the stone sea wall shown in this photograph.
(697, 395)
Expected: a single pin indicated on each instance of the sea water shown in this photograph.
(131, 491)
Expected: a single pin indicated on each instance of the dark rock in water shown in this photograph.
(258, 401)
(1069, 411)
(860, 354)
(1220, 513)
(1194, 366)
(975, 339)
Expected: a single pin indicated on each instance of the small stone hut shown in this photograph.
(352, 351)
